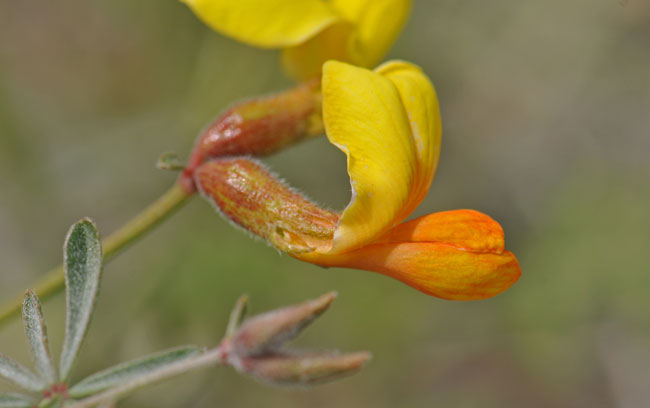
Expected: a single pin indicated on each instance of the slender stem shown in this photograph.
(150, 217)
(211, 357)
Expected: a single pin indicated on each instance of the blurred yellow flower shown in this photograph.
(387, 122)
(310, 32)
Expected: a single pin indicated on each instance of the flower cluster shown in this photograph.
(385, 120)
(387, 123)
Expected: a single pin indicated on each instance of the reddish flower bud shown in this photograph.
(284, 369)
(260, 126)
(256, 348)
(249, 195)
(270, 330)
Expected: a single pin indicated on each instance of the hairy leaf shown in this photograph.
(20, 375)
(83, 264)
(11, 400)
(36, 333)
(131, 371)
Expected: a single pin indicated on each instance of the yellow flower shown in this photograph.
(310, 32)
(387, 122)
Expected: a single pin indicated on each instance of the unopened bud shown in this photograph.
(249, 195)
(270, 330)
(261, 126)
(303, 369)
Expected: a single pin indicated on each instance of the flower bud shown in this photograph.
(303, 369)
(270, 330)
(261, 126)
(249, 195)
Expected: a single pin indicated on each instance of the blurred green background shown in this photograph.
(546, 114)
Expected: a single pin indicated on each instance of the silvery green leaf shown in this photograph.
(83, 264)
(37, 337)
(12, 400)
(20, 375)
(131, 371)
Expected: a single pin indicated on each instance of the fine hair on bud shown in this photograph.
(249, 195)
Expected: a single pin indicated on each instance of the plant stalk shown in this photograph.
(146, 220)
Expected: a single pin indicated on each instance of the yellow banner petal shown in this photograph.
(364, 117)
(378, 23)
(266, 23)
(421, 104)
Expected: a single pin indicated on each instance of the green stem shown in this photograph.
(150, 217)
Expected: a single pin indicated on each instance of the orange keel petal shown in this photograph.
(463, 229)
(436, 269)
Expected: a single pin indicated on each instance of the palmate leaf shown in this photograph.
(36, 333)
(131, 371)
(83, 264)
(12, 400)
(20, 375)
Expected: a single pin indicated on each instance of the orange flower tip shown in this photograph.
(463, 229)
(484, 276)
(436, 269)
